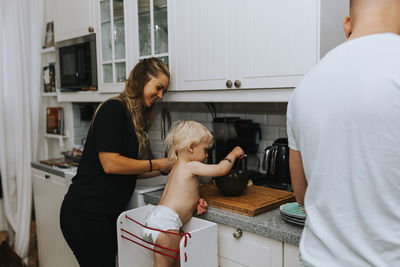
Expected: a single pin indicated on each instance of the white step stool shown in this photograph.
(201, 249)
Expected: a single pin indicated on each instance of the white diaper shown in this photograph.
(162, 218)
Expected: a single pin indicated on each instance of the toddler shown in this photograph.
(188, 143)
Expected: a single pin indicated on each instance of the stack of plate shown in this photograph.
(294, 213)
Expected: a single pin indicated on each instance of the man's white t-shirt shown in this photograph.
(344, 118)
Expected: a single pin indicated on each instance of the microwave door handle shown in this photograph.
(76, 65)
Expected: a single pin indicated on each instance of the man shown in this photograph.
(344, 134)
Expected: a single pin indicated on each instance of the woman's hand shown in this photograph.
(162, 165)
(201, 206)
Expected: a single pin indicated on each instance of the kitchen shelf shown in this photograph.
(55, 136)
(49, 94)
(59, 137)
(85, 96)
(48, 50)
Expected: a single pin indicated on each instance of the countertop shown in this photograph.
(268, 224)
(47, 168)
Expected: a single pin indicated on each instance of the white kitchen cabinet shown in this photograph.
(148, 30)
(152, 29)
(291, 255)
(129, 30)
(110, 44)
(250, 44)
(247, 250)
(73, 18)
(48, 194)
(202, 50)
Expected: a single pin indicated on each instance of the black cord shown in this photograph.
(212, 109)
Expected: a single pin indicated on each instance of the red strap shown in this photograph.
(154, 229)
(159, 246)
(156, 251)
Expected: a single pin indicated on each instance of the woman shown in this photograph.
(116, 152)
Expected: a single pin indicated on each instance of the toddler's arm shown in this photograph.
(220, 169)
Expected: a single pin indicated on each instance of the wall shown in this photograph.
(81, 127)
(270, 116)
(50, 147)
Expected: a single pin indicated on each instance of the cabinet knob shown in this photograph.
(91, 29)
(228, 83)
(47, 176)
(237, 83)
(237, 233)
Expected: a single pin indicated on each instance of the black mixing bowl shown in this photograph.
(232, 184)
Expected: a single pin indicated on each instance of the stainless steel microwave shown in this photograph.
(76, 63)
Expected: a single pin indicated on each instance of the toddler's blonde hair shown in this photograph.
(183, 134)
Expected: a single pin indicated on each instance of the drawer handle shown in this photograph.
(228, 83)
(237, 233)
(47, 176)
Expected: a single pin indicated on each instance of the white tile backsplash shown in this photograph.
(269, 132)
(260, 118)
(270, 116)
(282, 132)
(198, 116)
(276, 120)
(80, 127)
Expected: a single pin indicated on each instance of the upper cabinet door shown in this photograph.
(111, 52)
(152, 20)
(222, 44)
(202, 44)
(276, 42)
(73, 18)
(146, 30)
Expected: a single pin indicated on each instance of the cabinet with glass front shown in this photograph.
(153, 29)
(111, 52)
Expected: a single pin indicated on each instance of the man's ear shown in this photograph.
(347, 27)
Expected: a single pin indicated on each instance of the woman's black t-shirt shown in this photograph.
(92, 189)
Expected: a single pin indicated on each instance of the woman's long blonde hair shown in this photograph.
(183, 134)
(132, 98)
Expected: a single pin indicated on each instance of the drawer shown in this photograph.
(247, 249)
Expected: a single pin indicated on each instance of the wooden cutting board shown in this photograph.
(254, 201)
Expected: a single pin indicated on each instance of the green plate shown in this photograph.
(293, 219)
(294, 209)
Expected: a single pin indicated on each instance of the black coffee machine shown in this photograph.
(276, 164)
(230, 132)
